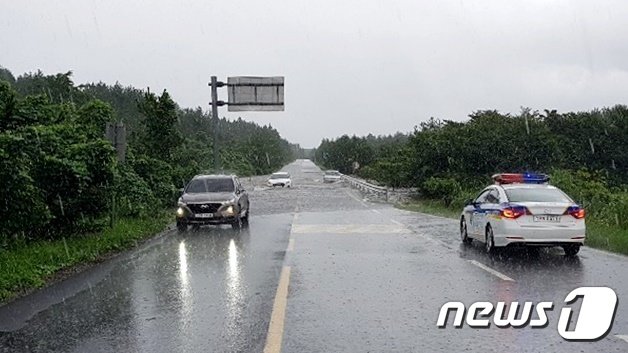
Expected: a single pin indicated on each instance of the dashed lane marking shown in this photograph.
(491, 271)
(423, 235)
(622, 337)
(356, 198)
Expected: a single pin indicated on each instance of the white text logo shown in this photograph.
(594, 321)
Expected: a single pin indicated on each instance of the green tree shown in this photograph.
(160, 136)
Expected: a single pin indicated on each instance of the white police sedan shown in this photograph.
(523, 210)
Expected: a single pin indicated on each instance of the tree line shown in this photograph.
(585, 152)
(61, 177)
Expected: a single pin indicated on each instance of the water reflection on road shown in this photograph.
(234, 288)
(185, 296)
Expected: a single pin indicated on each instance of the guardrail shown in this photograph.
(385, 193)
(366, 186)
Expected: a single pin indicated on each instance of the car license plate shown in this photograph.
(204, 215)
(547, 218)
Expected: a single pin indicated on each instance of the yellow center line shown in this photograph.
(290, 244)
(275, 328)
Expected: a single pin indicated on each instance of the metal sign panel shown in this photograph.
(248, 93)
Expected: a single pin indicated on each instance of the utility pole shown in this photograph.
(214, 85)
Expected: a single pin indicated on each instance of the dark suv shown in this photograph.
(213, 199)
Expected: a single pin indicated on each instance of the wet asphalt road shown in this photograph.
(364, 277)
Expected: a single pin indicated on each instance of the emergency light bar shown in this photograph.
(522, 178)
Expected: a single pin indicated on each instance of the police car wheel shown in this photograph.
(464, 235)
(489, 240)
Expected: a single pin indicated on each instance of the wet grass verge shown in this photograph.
(433, 207)
(35, 264)
(601, 236)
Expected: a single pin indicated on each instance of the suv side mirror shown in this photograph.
(469, 202)
(181, 190)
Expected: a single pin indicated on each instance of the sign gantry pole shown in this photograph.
(214, 85)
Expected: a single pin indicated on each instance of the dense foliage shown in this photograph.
(61, 177)
(373, 157)
(586, 153)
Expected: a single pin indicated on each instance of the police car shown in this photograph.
(523, 210)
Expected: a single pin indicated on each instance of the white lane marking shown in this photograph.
(376, 211)
(607, 253)
(422, 235)
(347, 229)
(290, 245)
(425, 214)
(491, 271)
(355, 198)
(622, 337)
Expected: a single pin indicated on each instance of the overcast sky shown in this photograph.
(353, 67)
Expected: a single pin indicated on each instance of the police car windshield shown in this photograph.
(536, 195)
(197, 186)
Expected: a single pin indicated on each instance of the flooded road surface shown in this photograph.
(319, 269)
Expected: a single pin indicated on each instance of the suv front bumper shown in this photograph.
(216, 219)
(222, 215)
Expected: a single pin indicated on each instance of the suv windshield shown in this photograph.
(210, 185)
(536, 195)
(332, 172)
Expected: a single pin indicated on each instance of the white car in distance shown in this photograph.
(331, 176)
(279, 179)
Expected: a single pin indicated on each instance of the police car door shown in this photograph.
(489, 208)
(477, 219)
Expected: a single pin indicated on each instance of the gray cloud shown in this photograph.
(350, 66)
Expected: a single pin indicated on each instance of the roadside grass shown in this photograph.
(434, 207)
(32, 265)
(605, 237)
(601, 236)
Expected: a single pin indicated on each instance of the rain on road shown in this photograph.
(318, 270)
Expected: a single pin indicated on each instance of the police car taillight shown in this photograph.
(576, 211)
(522, 178)
(514, 212)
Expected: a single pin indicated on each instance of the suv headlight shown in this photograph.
(229, 202)
(229, 210)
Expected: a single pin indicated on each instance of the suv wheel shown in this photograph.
(245, 219)
(182, 226)
(237, 224)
